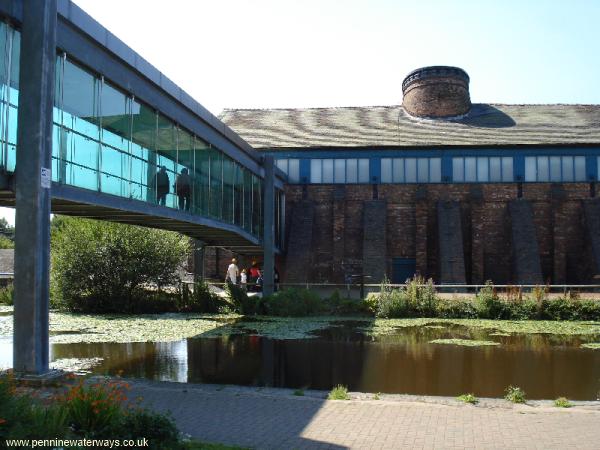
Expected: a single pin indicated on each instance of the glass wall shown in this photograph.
(291, 167)
(482, 169)
(347, 171)
(411, 170)
(10, 49)
(105, 140)
(555, 168)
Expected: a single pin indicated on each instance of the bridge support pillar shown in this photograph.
(269, 226)
(33, 180)
(198, 260)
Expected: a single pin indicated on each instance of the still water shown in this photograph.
(545, 366)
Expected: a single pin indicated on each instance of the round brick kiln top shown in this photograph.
(436, 92)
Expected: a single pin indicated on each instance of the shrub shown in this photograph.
(468, 398)
(299, 392)
(562, 402)
(292, 303)
(84, 411)
(339, 392)
(106, 267)
(514, 394)
(7, 295)
(489, 305)
(455, 309)
(240, 300)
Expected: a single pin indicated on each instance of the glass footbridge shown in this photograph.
(123, 134)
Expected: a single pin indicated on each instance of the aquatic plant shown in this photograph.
(592, 345)
(339, 392)
(515, 394)
(468, 398)
(299, 392)
(463, 342)
(562, 402)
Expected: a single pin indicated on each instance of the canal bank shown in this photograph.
(270, 418)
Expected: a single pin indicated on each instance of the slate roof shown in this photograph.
(391, 126)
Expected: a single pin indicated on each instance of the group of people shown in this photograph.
(182, 186)
(249, 280)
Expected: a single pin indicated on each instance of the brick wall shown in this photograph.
(412, 229)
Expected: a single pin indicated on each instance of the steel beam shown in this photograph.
(34, 150)
(269, 226)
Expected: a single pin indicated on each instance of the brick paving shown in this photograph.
(276, 419)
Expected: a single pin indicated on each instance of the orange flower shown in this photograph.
(2, 421)
(96, 411)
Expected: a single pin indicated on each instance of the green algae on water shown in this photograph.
(463, 342)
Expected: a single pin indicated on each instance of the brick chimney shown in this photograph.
(436, 92)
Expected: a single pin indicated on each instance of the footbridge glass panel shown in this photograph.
(108, 141)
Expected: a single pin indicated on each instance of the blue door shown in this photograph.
(402, 269)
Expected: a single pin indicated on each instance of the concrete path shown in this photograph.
(276, 419)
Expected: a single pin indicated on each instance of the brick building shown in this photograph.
(455, 191)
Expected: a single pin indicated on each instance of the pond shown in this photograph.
(401, 360)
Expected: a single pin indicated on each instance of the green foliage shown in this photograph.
(339, 392)
(241, 302)
(199, 300)
(7, 295)
(562, 402)
(84, 411)
(106, 267)
(292, 303)
(468, 398)
(377, 396)
(514, 394)
(416, 299)
(6, 242)
(299, 392)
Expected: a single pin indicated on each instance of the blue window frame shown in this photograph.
(555, 168)
(411, 170)
(339, 170)
(291, 166)
(482, 169)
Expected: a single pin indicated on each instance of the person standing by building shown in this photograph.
(183, 189)
(232, 272)
(161, 185)
(244, 280)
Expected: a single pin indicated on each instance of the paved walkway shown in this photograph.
(276, 419)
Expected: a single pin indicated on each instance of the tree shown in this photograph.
(104, 266)
(8, 232)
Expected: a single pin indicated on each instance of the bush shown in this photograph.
(84, 411)
(562, 402)
(241, 302)
(7, 295)
(338, 393)
(107, 267)
(292, 303)
(515, 394)
(468, 398)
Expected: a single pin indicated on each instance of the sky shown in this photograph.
(316, 53)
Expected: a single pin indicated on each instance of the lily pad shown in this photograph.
(592, 345)
(78, 365)
(463, 342)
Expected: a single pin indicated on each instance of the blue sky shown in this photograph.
(265, 54)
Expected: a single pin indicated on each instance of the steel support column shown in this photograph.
(34, 151)
(269, 226)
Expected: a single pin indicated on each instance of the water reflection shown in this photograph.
(545, 366)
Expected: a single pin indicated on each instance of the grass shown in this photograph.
(562, 402)
(299, 392)
(464, 342)
(468, 398)
(338, 393)
(515, 394)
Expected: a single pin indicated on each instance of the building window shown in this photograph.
(554, 168)
(482, 169)
(411, 170)
(291, 167)
(344, 171)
